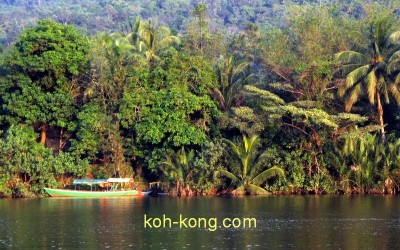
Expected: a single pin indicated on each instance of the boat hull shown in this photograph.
(79, 193)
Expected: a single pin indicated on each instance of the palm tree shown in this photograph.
(374, 73)
(129, 42)
(247, 169)
(178, 167)
(363, 154)
(145, 38)
(388, 155)
(154, 40)
(231, 79)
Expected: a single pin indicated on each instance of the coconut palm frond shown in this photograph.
(250, 143)
(227, 174)
(394, 90)
(256, 189)
(168, 41)
(114, 35)
(240, 190)
(142, 46)
(168, 164)
(240, 69)
(190, 156)
(351, 57)
(123, 44)
(353, 97)
(394, 38)
(171, 169)
(163, 31)
(353, 78)
(181, 156)
(357, 76)
(384, 90)
(245, 143)
(394, 66)
(347, 68)
(220, 97)
(235, 148)
(269, 173)
(394, 56)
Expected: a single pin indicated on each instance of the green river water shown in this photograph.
(259, 222)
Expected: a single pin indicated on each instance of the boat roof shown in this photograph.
(119, 180)
(89, 181)
(100, 181)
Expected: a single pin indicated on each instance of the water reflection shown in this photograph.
(285, 222)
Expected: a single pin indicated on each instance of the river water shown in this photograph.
(273, 222)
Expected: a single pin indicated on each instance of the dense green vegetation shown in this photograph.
(234, 97)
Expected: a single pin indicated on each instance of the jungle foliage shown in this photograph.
(238, 97)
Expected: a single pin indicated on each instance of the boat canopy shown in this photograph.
(89, 181)
(119, 180)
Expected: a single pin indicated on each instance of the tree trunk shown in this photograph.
(43, 134)
(60, 144)
(380, 115)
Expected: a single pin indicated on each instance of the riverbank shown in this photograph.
(230, 194)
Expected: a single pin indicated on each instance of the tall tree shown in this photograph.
(299, 57)
(99, 135)
(42, 81)
(200, 14)
(201, 38)
(374, 71)
(176, 111)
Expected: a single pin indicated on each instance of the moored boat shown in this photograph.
(112, 187)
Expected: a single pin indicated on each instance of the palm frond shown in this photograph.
(394, 90)
(353, 78)
(269, 173)
(124, 44)
(171, 169)
(142, 45)
(253, 143)
(240, 190)
(221, 173)
(394, 56)
(233, 147)
(163, 31)
(256, 189)
(220, 98)
(394, 38)
(190, 155)
(240, 69)
(353, 97)
(347, 68)
(351, 57)
(167, 41)
(168, 162)
(357, 75)
(384, 89)
(394, 66)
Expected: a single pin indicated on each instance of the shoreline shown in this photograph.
(221, 195)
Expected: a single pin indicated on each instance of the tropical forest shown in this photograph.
(224, 97)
